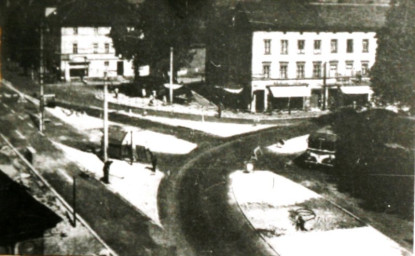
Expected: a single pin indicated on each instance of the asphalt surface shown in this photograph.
(192, 200)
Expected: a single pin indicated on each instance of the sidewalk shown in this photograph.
(117, 221)
(295, 220)
(274, 211)
(79, 93)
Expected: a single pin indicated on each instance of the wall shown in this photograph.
(309, 56)
(85, 38)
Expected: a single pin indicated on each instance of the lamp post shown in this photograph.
(171, 76)
(41, 73)
(105, 117)
(324, 85)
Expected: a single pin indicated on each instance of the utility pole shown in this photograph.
(324, 85)
(41, 71)
(105, 116)
(74, 200)
(1, 57)
(171, 76)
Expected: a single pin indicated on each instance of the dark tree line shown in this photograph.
(393, 76)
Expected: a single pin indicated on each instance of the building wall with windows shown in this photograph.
(295, 58)
(291, 57)
(88, 52)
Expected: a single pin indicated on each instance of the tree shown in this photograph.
(160, 24)
(393, 76)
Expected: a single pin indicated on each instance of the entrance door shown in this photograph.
(120, 68)
(260, 97)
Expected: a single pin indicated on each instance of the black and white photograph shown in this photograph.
(207, 127)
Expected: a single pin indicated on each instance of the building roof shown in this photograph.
(283, 15)
(116, 135)
(93, 13)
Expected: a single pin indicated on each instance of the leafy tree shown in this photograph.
(393, 76)
(159, 25)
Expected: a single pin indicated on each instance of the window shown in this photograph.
(96, 31)
(75, 48)
(349, 46)
(349, 68)
(301, 45)
(284, 46)
(365, 45)
(107, 48)
(365, 68)
(283, 70)
(317, 69)
(267, 46)
(333, 69)
(317, 46)
(333, 45)
(75, 31)
(106, 63)
(266, 68)
(300, 70)
(95, 47)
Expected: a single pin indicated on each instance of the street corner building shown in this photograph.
(297, 56)
(78, 45)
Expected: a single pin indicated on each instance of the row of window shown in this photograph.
(316, 46)
(317, 69)
(95, 48)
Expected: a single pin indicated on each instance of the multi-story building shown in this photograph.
(88, 52)
(78, 44)
(303, 56)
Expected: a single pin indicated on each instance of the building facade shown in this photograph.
(302, 56)
(87, 52)
(299, 61)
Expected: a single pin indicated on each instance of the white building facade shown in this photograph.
(291, 64)
(88, 52)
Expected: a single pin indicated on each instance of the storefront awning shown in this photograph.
(290, 91)
(358, 89)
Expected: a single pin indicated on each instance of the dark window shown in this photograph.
(317, 46)
(95, 47)
(267, 46)
(365, 68)
(284, 46)
(333, 45)
(349, 46)
(300, 69)
(317, 69)
(301, 46)
(365, 45)
(75, 31)
(107, 48)
(75, 48)
(283, 70)
(266, 69)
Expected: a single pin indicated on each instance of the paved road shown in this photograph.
(119, 224)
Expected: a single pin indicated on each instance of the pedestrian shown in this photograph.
(153, 159)
(220, 106)
(106, 171)
(300, 223)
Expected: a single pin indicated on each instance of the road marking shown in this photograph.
(65, 175)
(20, 134)
(29, 124)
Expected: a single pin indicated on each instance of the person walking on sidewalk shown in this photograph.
(106, 171)
(153, 159)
